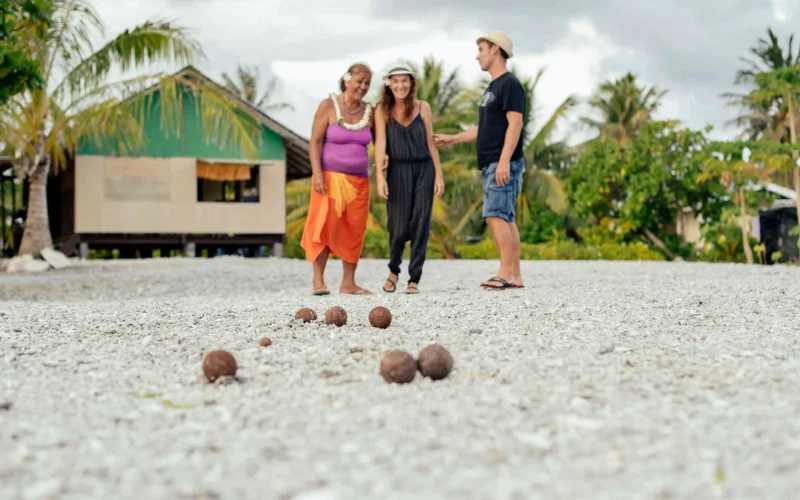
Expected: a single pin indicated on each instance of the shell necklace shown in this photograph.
(351, 126)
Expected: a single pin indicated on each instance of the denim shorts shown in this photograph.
(501, 201)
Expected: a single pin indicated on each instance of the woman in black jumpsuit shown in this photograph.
(404, 133)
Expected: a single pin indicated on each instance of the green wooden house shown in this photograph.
(180, 191)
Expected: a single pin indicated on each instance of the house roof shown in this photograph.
(781, 191)
(298, 165)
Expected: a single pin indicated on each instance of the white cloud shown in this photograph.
(781, 10)
(309, 44)
(572, 66)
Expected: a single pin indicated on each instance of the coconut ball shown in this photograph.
(219, 364)
(265, 342)
(435, 362)
(306, 314)
(380, 317)
(336, 316)
(398, 367)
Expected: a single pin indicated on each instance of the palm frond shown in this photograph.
(546, 189)
(152, 42)
(74, 24)
(542, 137)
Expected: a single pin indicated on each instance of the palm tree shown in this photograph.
(625, 107)
(769, 55)
(768, 112)
(785, 84)
(436, 86)
(246, 87)
(78, 103)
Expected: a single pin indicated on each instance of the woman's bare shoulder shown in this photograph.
(325, 104)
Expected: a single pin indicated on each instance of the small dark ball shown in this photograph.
(398, 367)
(336, 316)
(265, 342)
(380, 317)
(435, 362)
(306, 314)
(219, 364)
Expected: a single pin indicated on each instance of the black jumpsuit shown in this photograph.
(410, 178)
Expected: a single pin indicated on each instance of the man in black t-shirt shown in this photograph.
(499, 144)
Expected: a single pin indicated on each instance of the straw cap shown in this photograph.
(500, 39)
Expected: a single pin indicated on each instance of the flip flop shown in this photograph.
(360, 292)
(394, 286)
(504, 284)
(412, 289)
(321, 291)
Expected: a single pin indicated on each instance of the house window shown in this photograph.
(231, 183)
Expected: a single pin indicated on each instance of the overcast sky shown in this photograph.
(690, 47)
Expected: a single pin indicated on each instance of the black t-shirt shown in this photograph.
(504, 94)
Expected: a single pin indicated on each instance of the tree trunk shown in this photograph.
(748, 252)
(660, 244)
(793, 138)
(36, 236)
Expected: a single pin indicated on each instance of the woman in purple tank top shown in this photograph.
(337, 214)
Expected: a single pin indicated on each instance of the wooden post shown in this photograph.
(748, 252)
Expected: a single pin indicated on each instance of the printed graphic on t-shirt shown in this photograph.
(505, 93)
(488, 97)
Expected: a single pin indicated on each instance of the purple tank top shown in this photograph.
(345, 151)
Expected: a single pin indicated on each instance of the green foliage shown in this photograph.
(606, 231)
(643, 185)
(625, 107)
(726, 162)
(565, 250)
(19, 69)
(766, 109)
(723, 238)
(292, 249)
(542, 225)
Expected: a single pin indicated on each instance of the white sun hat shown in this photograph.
(398, 70)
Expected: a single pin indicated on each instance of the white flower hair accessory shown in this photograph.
(347, 77)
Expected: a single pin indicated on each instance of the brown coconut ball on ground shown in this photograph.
(435, 361)
(336, 315)
(380, 317)
(306, 314)
(398, 367)
(265, 342)
(218, 364)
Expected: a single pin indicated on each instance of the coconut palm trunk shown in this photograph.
(36, 235)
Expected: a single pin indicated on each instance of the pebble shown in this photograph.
(607, 348)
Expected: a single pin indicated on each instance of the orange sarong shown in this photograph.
(337, 219)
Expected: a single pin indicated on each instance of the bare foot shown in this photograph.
(353, 289)
(318, 287)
